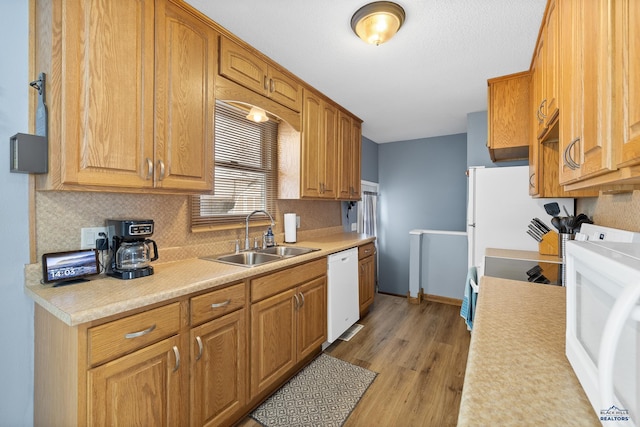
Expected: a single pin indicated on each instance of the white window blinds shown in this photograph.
(245, 170)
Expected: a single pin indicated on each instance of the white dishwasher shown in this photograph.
(343, 307)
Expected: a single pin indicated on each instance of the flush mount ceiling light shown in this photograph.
(258, 115)
(377, 22)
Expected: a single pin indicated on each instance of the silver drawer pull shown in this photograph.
(140, 333)
(177, 354)
(221, 304)
(199, 341)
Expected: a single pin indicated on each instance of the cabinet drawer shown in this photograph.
(113, 339)
(217, 303)
(366, 250)
(265, 286)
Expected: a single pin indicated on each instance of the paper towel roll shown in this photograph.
(290, 228)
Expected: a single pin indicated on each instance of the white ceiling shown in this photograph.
(422, 83)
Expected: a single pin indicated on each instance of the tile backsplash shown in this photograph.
(613, 210)
(61, 215)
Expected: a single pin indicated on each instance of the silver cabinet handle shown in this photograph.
(297, 301)
(140, 333)
(272, 86)
(176, 352)
(531, 180)
(199, 341)
(302, 297)
(162, 170)
(149, 169)
(221, 304)
(567, 155)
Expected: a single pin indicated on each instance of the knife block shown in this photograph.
(549, 244)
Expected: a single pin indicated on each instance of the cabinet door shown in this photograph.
(509, 117)
(571, 93)
(142, 388)
(311, 153)
(185, 70)
(218, 369)
(284, 89)
(356, 160)
(551, 63)
(312, 316)
(366, 279)
(627, 67)
(585, 134)
(329, 151)
(241, 66)
(596, 84)
(539, 77)
(349, 154)
(107, 103)
(273, 339)
(344, 156)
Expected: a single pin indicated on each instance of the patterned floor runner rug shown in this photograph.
(323, 394)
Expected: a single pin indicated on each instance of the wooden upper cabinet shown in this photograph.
(101, 106)
(349, 156)
(319, 139)
(185, 72)
(551, 64)
(585, 126)
(129, 91)
(509, 117)
(244, 67)
(627, 76)
(355, 175)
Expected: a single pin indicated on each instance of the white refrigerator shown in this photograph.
(500, 209)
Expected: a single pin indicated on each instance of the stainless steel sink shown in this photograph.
(247, 259)
(287, 251)
(260, 256)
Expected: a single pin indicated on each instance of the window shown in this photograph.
(245, 170)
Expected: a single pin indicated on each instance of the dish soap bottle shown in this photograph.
(269, 239)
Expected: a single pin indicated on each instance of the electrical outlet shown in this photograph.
(354, 226)
(297, 221)
(89, 235)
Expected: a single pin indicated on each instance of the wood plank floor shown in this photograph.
(420, 355)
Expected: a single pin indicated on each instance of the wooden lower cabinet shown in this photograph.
(143, 388)
(218, 370)
(366, 276)
(184, 362)
(289, 325)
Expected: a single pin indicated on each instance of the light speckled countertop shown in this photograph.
(107, 296)
(517, 372)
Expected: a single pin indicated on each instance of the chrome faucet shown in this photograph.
(247, 244)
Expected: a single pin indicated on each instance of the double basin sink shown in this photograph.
(255, 257)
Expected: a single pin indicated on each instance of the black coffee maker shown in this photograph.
(130, 255)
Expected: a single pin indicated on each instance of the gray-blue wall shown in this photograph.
(423, 186)
(16, 310)
(369, 160)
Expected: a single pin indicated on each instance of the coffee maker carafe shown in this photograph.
(131, 248)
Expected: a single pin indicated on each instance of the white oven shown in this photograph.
(603, 326)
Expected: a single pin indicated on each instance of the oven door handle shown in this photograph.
(622, 310)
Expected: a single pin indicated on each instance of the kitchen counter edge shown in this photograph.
(106, 296)
(517, 372)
